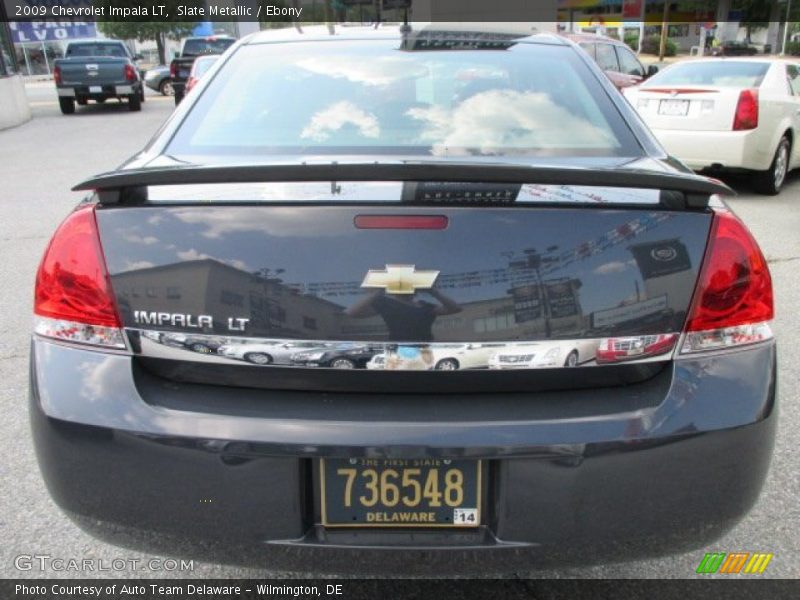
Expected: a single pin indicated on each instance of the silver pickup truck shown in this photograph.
(97, 70)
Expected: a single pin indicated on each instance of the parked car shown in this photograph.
(729, 114)
(266, 353)
(734, 48)
(342, 356)
(181, 66)
(97, 70)
(496, 190)
(462, 356)
(616, 59)
(620, 349)
(440, 357)
(545, 355)
(377, 362)
(159, 80)
(204, 344)
(200, 67)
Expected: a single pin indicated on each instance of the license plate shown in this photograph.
(182, 73)
(673, 108)
(376, 492)
(95, 89)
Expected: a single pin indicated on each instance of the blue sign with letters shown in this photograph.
(50, 31)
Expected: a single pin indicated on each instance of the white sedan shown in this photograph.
(724, 113)
(544, 355)
(267, 353)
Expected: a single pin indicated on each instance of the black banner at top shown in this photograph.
(599, 13)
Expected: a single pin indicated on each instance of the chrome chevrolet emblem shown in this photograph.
(400, 279)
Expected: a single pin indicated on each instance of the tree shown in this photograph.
(755, 14)
(149, 28)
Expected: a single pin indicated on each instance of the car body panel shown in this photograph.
(695, 414)
(114, 391)
(509, 292)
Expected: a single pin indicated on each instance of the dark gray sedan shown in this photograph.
(159, 80)
(405, 190)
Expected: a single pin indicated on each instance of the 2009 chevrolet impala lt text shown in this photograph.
(430, 295)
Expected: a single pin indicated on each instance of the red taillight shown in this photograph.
(72, 283)
(130, 73)
(735, 287)
(746, 111)
(57, 75)
(173, 70)
(733, 301)
(401, 222)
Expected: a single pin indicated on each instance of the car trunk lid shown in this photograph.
(688, 107)
(92, 70)
(299, 271)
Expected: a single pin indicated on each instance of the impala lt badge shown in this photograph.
(400, 279)
(144, 317)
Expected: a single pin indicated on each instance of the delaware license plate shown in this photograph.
(674, 108)
(377, 492)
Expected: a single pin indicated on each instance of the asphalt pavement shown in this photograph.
(42, 159)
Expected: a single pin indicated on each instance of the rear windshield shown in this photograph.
(717, 73)
(372, 97)
(115, 50)
(195, 47)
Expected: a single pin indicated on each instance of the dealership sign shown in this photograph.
(50, 31)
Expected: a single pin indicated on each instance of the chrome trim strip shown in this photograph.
(397, 356)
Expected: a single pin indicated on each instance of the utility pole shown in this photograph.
(786, 27)
(662, 47)
(642, 25)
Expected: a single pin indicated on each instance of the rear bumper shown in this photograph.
(242, 489)
(123, 88)
(728, 149)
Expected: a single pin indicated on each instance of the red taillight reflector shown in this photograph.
(57, 75)
(130, 73)
(72, 283)
(401, 222)
(746, 116)
(678, 91)
(735, 287)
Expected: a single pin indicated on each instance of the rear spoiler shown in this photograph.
(130, 184)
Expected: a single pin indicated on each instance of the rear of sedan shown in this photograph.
(726, 114)
(406, 194)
